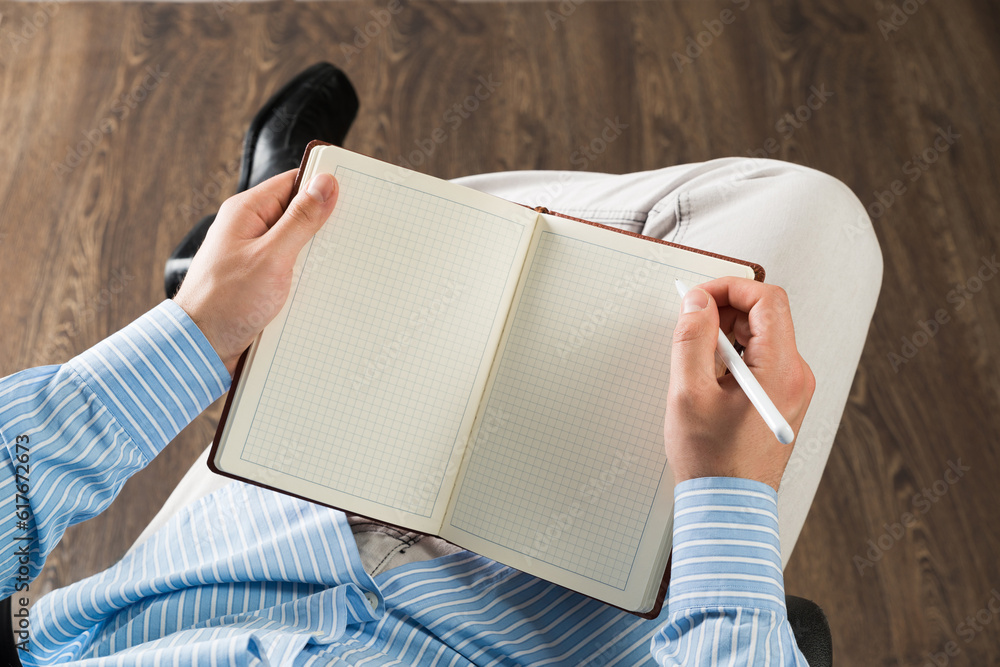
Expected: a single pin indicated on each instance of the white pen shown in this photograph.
(734, 362)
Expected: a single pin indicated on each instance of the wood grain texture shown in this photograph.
(84, 245)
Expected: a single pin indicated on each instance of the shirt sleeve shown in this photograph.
(72, 434)
(726, 598)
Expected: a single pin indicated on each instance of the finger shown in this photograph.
(306, 213)
(768, 313)
(734, 322)
(692, 357)
(741, 327)
(727, 317)
(268, 199)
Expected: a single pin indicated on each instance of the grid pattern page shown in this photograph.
(386, 330)
(567, 468)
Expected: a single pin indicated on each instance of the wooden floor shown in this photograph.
(88, 216)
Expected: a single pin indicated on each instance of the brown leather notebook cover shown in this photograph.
(661, 595)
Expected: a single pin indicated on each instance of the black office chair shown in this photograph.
(812, 633)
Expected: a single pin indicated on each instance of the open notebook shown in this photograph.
(464, 366)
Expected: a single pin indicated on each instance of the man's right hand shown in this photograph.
(711, 428)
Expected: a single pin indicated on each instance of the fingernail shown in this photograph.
(321, 187)
(696, 299)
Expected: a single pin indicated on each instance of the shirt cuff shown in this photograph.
(726, 551)
(155, 375)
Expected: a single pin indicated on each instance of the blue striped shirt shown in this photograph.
(246, 576)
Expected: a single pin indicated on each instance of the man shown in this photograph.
(233, 574)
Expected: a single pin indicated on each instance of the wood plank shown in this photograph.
(84, 244)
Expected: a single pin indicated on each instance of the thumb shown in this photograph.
(305, 214)
(692, 358)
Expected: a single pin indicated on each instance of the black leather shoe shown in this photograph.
(180, 259)
(319, 103)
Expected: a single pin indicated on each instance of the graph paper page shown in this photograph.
(566, 475)
(362, 393)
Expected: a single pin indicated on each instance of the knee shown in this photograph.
(842, 220)
(820, 211)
